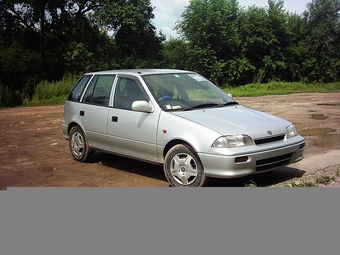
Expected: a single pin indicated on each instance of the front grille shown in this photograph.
(269, 139)
(275, 162)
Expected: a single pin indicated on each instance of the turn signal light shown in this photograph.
(241, 159)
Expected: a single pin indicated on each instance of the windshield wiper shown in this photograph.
(229, 103)
(206, 105)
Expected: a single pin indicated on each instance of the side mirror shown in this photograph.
(141, 106)
(230, 95)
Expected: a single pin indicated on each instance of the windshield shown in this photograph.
(185, 91)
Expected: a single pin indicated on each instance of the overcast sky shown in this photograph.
(167, 12)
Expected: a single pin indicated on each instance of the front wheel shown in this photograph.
(183, 168)
(79, 145)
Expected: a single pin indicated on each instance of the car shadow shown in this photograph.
(130, 165)
(156, 172)
(259, 180)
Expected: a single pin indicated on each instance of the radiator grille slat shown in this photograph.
(269, 163)
(269, 139)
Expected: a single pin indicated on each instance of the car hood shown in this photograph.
(237, 120)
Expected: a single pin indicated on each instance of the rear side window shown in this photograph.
(78, 89)
(99, 90)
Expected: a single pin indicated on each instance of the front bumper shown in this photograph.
(222, 166)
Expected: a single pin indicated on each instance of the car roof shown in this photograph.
(140, 71)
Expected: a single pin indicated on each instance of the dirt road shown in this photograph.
(34, 154)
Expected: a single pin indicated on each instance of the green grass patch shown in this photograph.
(54, 93)
(54, 100)
(281, 88)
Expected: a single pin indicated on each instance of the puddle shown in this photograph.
(323, 139)
(316, 131)
(318, 117)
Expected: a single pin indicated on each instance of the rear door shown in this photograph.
(94, 110)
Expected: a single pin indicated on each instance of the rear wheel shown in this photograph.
(183, 168)
(79, 145)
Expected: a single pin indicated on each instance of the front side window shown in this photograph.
(128, 91)
(78, 89)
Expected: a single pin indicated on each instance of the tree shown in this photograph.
(322, 62)
(297, 49)
(265, 41)
(211, 29)
(176, 54)
(254, 40)
(48, 38)
(135, 35)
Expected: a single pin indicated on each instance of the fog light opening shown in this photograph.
(241, 159)
(302, 146)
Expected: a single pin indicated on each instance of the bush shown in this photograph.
(52, 92)
(9, 98)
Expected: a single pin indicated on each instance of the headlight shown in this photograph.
(231, 141)
(291, 131)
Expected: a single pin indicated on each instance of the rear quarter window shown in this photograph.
(78, 88)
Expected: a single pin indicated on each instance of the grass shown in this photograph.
(54, 100)
(281, 88)
(55, 93)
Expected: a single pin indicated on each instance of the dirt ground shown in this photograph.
(33, 152)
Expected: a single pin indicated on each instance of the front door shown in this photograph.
(132, 133)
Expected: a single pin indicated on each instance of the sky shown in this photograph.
(167, 12)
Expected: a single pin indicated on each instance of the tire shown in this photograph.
(79, 145)
(183, 168)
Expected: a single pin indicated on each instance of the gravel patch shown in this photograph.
(328, 177)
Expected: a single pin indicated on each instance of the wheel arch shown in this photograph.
(73, 124)
(174, 142)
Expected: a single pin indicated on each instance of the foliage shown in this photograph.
(41, 41)
(8, 97)
(55, 93)
(322, 41)
(258, 45)
(134, 34)
(210, 27)
(176, 54)
(51, 93)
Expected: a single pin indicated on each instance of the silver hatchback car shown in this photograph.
(177, 119)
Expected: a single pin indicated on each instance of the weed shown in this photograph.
(302, 184)
(252, 184)
(324, 180)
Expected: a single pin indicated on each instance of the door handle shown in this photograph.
(114, 119)
(82, 113)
